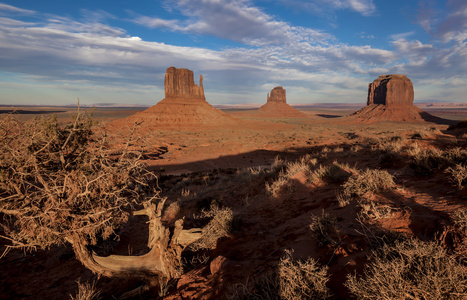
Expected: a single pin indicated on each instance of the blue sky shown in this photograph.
(52, 52)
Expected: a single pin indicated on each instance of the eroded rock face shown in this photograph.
(391, 90)
(179, 83)
(277, 95)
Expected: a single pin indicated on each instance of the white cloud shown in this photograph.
(12, 9)
(454, 26)
(401, 36)
(236, 20)
(325, 7)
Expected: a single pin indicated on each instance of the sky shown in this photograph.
(321, 51)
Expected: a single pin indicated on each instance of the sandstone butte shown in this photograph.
(184, 105)
(390, 98)
(276, 106)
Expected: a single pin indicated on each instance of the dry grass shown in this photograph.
(291, 169)
(368, 181)
(86, 291)
(332, 173)
(410, 270)
(219, 226)
(425, 161)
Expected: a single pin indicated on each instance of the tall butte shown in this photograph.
(276, 106)
(184, 105)
(390, 98)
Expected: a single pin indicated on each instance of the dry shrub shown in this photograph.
(302, 279)
(282, 182)
(456, 155)
(219, 226)
(458, 175)
(58, 184)
(331, 173)
(276, 187)
(368, 181)
(425, 161)
(86, 291)
(293, 168)
(293, 280)
(410, 270)
(342, 199)
(460, 219)
(325, 229)
(370, 210)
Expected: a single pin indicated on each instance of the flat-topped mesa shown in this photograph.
(391, 90)
(277, 95)
(179, 83)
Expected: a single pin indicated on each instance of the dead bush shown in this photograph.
(294, 279)
(458, 175)
(57, 184)
(325, 228)
(411, 269)
(60, 185)
(456, 155)
(302, 279)
(368, 181)
(219, 226)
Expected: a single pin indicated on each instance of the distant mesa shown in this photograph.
(276, 106)
(184, 105)
(391, 90)
(390, 98)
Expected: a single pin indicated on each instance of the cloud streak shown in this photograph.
(235, 20)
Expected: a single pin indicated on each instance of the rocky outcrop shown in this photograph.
(179, 83)
(390, 98)
(184, 106)
(277, 107)
(391, 90)
(277, 95)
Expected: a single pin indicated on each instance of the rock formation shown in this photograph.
(390, 98)
(391, 90)
(184, 105)
(277, 95)
(277, 107)
(179, 83)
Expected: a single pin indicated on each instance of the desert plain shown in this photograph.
(287, 184)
